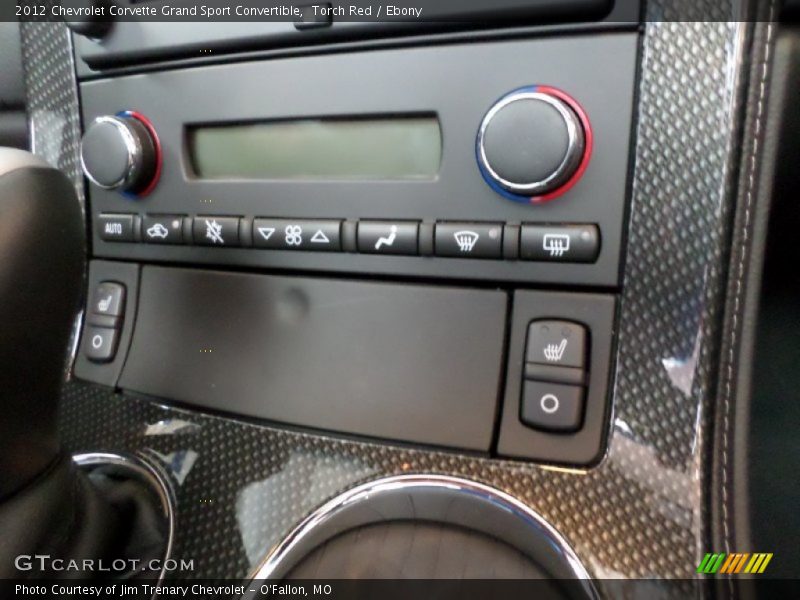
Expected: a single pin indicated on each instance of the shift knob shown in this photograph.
(42, 246)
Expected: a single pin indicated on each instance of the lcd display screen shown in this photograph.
(407, 147)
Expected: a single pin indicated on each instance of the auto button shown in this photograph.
(117, 228)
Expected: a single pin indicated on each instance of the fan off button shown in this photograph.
(469, 240)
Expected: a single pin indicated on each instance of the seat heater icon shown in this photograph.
(557, 244)
(555, 352)
(466, 240)
(104, 304)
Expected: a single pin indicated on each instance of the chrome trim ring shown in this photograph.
(133, 147)
(572, 157)
(442, 498)
(149, 474)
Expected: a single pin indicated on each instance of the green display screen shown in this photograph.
(316, 149)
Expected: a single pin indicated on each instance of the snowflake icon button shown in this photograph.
(208, 230)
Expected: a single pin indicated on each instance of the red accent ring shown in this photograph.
(157, 143)
(587, 150)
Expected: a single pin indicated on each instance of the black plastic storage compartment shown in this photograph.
(141, 41)
(403, 362)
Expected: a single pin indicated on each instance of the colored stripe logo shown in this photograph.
(734, 563)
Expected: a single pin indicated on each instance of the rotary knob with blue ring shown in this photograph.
(534, 144)
(122, 152)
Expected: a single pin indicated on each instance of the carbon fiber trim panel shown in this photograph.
(54, 117)
(641, 512)
(52, 97)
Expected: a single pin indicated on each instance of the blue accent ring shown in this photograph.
(488, 178)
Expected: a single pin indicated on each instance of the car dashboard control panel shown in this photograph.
(357, 242)
(499, 161)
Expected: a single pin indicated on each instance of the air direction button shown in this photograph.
(387, 237)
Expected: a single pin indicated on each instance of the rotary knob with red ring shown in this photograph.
(534, 144)
(122, 152)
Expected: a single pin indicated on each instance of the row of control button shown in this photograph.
(388, 238)
(104, 321)
(285, 234)
(555, 375)
(535, 242)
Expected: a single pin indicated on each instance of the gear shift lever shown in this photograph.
(42, 248)
(47, 506)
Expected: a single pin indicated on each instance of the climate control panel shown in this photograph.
(566, 243)
(404, 166)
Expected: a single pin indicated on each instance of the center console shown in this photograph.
(272, 379)
(419, 244)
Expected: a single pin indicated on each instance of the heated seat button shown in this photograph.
(116, 228)
(552, 406)
(386, 237)
(108, 299)
(469, 240)
(560, 243)
(557, 343)
(162, 229)
(216, 231)
(100, 343)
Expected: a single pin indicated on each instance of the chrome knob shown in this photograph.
(532, 143)
(121, 152)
